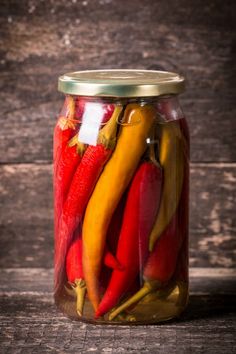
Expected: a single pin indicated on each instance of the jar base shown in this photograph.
(153, 309)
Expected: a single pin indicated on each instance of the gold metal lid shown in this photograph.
(121, 83)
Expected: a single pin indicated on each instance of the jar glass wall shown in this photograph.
(121, 189)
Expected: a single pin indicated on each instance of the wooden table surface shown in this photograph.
(41, 40)
(31, 323)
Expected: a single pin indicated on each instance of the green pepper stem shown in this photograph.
(80, 290)
(69, 290)
(146, 289)
(71, 106)
(107, 135)
(151, 153)
(126, 317)
(65, 123)
(80, 147)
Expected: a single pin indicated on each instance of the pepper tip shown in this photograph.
(150, 246)
(97, 315)
(79, 312)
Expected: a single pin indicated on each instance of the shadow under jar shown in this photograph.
(121, 192)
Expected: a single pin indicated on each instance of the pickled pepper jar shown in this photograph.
(121, 190)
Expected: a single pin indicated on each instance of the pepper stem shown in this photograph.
(107, 135)
(80, 289)
(69, 290)
(146, 289)
(80, 147)
(126, 317)
(151, 150)
(65, 123)
(152, 155)
(71, 107)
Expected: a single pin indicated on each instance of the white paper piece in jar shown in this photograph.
(91, 122)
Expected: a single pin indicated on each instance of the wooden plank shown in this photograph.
(27, 217)
(30, 321)
(210, 125)
(34, 326)
(212, 220)
(194, 40)
(168, 30)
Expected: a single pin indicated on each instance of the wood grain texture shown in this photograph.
(31, 323)
(27, 215)
(41, 40)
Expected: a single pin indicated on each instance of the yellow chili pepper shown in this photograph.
(171, 156)
(112, 183)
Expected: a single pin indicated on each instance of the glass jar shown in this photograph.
(121, 189)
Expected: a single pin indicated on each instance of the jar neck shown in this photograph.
(169, 108)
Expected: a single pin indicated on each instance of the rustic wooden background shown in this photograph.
(41, 40)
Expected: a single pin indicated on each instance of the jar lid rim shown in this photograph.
(121, 83)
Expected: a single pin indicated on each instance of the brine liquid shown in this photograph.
(158, 306)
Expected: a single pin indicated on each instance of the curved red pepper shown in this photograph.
(140, 212)
(63, 131)
(162, 261)
(63, 174)
(114, 229)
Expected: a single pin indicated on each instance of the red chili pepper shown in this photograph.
(159, 267)
(110, 261)
(62, 134)
(79, 108)
(108, 110)
(75, 275)
(181, 271)
(81, 187)
(64, 128)
(70, 158)
(185, 130)
(113, 234)
(114, 229)
(161, 263)
(63, 174)
(74, 270)
(140, 212)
